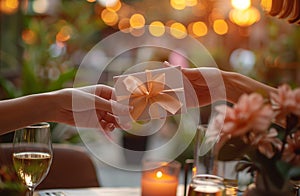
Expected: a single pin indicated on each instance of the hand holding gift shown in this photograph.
(153, 94)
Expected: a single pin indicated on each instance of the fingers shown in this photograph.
(106, 126)
(112, 106)
(107, 109)
(109, 122)
(94, 119)
(166, 64)
(112, 114)
(190, 73)
(106, 92)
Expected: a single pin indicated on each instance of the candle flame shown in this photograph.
(159, 174)
(194, 170)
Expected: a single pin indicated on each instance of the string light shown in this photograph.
(157, 28)
(198, 29)
(109, 17)
(178, 30)
(114, 7)
(137, 21)
(220, 26)
(124, 25)
(124, 17)
(241, 4)
(244, 17)
(178, 4)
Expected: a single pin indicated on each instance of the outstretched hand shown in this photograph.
(91, 106)
(212, 84)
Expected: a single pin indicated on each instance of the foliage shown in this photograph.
(34, 59)
(47, 62)
(10, 181)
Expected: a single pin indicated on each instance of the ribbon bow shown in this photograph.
(151, 94)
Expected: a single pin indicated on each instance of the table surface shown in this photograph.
(105, 191)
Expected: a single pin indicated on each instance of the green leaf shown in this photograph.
(283, 168)
(9, 88)
(30, 80)
(63, 78)
(294, 173)
(269, 169)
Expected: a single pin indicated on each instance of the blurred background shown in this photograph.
(44, 41)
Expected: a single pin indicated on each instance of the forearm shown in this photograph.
(23, 111)
(237, 84)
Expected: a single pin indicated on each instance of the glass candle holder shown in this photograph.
(206, 184)
(160, 178)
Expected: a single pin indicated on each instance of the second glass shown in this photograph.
(206, 178)
(206, 185)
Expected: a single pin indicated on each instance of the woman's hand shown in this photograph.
(90, 106)
(212, 84)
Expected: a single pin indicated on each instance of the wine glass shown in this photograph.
(32, 154)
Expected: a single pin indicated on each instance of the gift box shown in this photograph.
(154, 94)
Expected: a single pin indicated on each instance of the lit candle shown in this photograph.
(160, 182)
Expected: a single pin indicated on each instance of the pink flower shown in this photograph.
(249, 114)
(291, 153)
(266, 142)
(285, 102)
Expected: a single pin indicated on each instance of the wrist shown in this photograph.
(46, 105)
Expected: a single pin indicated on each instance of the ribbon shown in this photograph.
(152, 94)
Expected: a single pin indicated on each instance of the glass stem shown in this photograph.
(31, 191)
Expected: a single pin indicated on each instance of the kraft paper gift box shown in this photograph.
(154, 94)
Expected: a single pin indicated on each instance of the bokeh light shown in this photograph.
(157, 28)
(40, 6)
(109, 17)
(64, 34)
(241, 4)
(107, 3)
(9, 6)
(124, 25)
(178, 4)
(220, 26)
(242, 60)
(137, 21)
(114, 7)
(244, 17)
(29, 36)
(198, 29)
(178, 30)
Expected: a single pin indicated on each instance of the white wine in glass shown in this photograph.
(32, 155)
